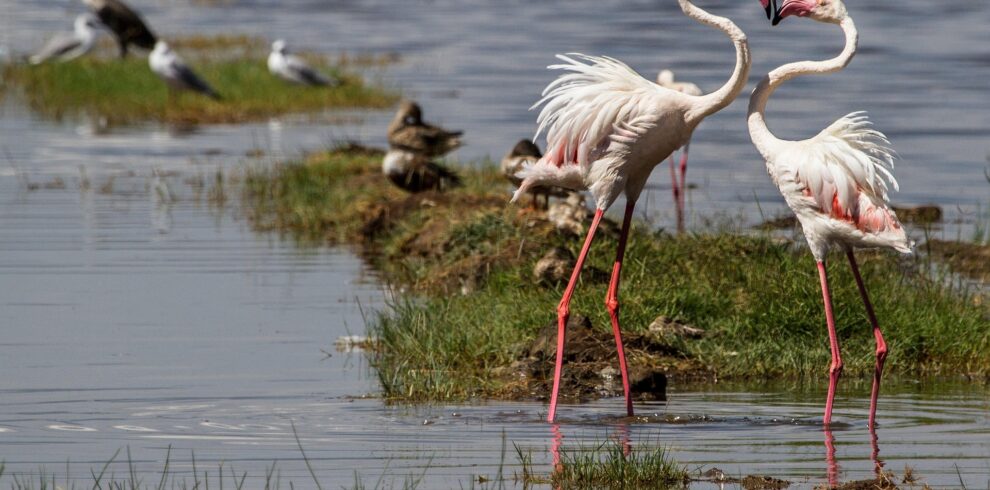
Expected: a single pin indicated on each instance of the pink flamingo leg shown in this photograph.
(675, 188)
(831, 466)
(564, 312)
(881, 345)
(612, 303)
(835, 369)
(683, 186)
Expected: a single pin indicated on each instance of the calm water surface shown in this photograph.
(138, 310)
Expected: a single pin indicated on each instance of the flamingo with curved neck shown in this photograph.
(836, 182)
(607, 127)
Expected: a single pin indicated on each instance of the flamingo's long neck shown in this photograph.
(719, 99)
(758, 130)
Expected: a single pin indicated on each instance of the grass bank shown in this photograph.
(474, 312)
(126, 91)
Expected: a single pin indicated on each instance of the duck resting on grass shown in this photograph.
(171, 68)
(414, 172)
(292, 68)
(524, 154)
(410, 133)
(126, 25)
(65, 47)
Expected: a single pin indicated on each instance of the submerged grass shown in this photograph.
(468, 258)
(126, 91)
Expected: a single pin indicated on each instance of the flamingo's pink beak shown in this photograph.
(800, 8)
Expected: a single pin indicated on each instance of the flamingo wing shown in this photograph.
(847, 170)
(600, 101)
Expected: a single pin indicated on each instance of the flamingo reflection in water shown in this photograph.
(832, 465)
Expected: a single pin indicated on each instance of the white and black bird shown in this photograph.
(410, 133)
(523, 155)
(292, 68)
(170, 67)
(415, 172)
(126, 25)
(65, 46)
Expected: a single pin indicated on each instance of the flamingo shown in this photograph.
(65, 47)
(292, 68)
(126, 25)
(666, 79)
(836, 182)
(172, 69)
(607, 127)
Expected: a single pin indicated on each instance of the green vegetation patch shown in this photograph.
(126, 91)
(474, 311)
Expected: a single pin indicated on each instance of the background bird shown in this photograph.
(171, 68)
(409, 132)
(836, 182)
(522, 155)
(679, 183)
(415, 172)
(64, 47)
(607, 127)
(294, 69)
(126, 25)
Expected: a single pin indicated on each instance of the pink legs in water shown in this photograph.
(611, 302)
(679, 186)
(836, 367)
(881, 345)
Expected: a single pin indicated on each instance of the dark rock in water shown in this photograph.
(754, 482)
(669, 329)
(555, 267)
(925, 213)
(648, 384)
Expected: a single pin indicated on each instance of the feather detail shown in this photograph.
(543, 173)
(599, 100)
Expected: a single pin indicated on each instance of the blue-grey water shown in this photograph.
(137, 311)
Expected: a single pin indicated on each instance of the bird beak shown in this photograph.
(776, 11)
(770, 8)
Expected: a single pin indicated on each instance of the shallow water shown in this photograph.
(140, 311)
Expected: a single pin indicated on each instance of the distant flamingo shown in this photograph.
(679, 186)
(836, 182)
(607, 128)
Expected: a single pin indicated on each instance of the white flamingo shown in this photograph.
(836, 182)
(607, 127)
(679, 185)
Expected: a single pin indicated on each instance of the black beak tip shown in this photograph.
(769, 10)
(776, 20)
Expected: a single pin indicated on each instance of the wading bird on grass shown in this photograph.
(65, 47)
(125, 24)
(171, 68)
(836, 182)
(679, 184)
(409, 132)
(607, 127)
(292, 68)
(524, 154)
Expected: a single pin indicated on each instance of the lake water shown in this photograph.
(137, 311)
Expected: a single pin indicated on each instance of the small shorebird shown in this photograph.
(125, 24)
(292, 68)
(65, 47)
(607, 127)
(408, 132)
(679, 184)
(171, 68)
(835, 182)
(415, 172)
(524, 154)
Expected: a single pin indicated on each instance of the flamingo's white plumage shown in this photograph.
(678, 184)
(607, 127)
(835, 182)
